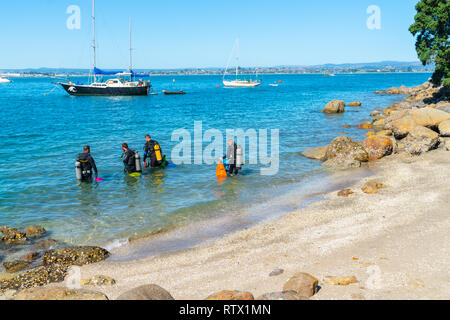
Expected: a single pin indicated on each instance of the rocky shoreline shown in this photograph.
(413, 127)
(418, 124)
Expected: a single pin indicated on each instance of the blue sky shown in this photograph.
(201, 33)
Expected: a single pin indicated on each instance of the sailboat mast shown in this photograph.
(131, 50)
(237, 58)
(93, 38)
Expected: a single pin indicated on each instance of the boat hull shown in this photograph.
(241, 84)
(83, 90)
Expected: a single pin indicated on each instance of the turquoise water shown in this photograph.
(42, 134)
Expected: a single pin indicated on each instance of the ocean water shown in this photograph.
(43, 129)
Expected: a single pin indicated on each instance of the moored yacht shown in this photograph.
(239, 83)
(120, 86)
(4, 80)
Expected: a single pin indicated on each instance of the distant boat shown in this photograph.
(112, 87)
(273, 85)
(4, 80)
(239, 83)
(173, 92)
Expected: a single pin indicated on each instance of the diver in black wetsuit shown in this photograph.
(87, 164)
(152, 150)
(129, 159)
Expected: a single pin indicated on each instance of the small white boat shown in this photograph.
(241, 83)
(4, 80)
(273, 85)
(238, 83)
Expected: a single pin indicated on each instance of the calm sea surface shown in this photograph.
(41, 135)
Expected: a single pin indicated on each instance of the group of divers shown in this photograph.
(86, 169)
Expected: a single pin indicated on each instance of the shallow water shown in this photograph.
(42, 133)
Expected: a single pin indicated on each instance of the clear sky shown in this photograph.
(201, 33)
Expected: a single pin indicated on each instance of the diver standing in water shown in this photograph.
(85, 164)
(131, 159)
(152, 150)
(230, 157)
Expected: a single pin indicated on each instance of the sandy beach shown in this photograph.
(394, 242)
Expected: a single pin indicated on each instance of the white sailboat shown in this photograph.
(239, 83)
(4, 80)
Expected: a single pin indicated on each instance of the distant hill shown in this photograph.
(383, 66)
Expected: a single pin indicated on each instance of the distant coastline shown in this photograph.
(350, 68)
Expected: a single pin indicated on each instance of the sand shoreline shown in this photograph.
(394, 242)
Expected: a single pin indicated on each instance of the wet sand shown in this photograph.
(394, 242)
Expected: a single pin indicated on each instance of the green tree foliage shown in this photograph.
(432, 29)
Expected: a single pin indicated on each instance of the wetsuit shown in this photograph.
(149, 152)
(87, 165)
(231, 158)
(129, 161)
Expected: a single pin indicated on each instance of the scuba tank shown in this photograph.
(158, 154)
(137, 160)
(239, 158)
(78, 170)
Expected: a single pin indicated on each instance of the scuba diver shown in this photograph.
(85, 164)
(152, 150)
(131, 160)
(233, 159)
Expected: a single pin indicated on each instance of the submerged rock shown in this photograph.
(12, 236)
(35, 231)
(16, 266)
(45, 244)
(335, 106)
(59, 294)
(77, 256)
(421, 140)
(231, 295)
(284, 295)
(146, 292)
(355, 104)
(315, 153)
(303, 284)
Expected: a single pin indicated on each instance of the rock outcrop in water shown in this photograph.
(12, 236)
(335, 106)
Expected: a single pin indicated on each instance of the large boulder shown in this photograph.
(228, 295)
(52, 294)
(429, 117)
(343, 152)
(335, 106)
(303, 284)
(77, 256)
(421, 140)
(402, 127)
(444, 128)
(146, 292)
(315, 153)
(378, 146)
